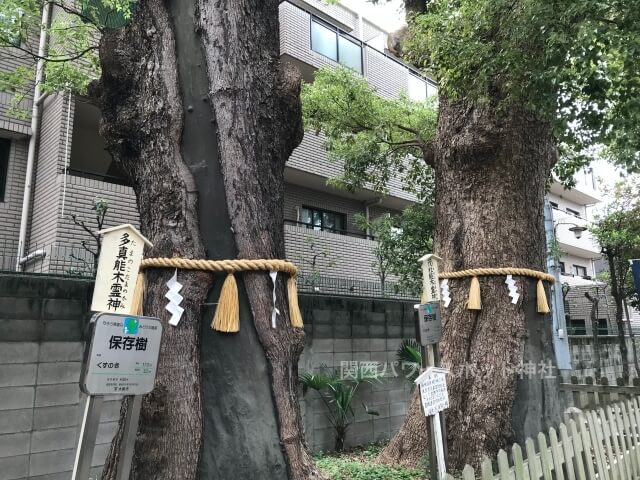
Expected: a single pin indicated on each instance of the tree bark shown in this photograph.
(491, 170)
(196, 107)
(597, 369)
(617, 290)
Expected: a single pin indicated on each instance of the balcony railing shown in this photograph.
(101, 177)
(351, 287)
(311, 226)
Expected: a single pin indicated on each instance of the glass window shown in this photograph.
(5, 147)
(577, 327)
(580, 271)
(417, 89)
(603, 327)
(562, 268)
(573, 212)
(553, 205)
(319, 219)
(323, 40)
(350, 54)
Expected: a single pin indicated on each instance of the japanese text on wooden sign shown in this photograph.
(120, 257)
(122, 355)
(430, 283)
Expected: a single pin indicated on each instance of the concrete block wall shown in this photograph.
(42, 322)
(583, 355)
(356, 330)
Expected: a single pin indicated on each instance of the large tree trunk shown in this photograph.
(202, 119)
(491, 171)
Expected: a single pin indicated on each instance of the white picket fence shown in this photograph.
(601, 444)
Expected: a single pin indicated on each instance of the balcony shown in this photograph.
(308, 51)
(583, 247)
(581, 194)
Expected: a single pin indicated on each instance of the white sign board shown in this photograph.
(433, 390)
(430, 282)
(118, 265)
(122, 355)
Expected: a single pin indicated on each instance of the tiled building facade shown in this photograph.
(72, 168)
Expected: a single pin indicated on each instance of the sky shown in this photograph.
(388, 14)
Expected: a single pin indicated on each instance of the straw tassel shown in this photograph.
(294, 309)
(543, 306)
(137, 302)
(227, 316)
(474, 302)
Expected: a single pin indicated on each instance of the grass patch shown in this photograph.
(358, 464)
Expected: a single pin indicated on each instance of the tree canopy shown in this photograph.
(71, 61)
(617, 230)
(572, 63)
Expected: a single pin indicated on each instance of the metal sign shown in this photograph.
(430, 282)
(118, 265)
(433, 390)
(429, 323)
(122, 355)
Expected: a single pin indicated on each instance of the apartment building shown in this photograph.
(73, 167)
(571, 210)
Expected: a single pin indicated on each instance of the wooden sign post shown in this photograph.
(122, 353)
(429, 334)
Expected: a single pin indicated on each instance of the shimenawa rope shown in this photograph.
(227, 316)
(475, 303)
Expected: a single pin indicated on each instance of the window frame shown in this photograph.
(576, 270)
(338, 33)
(5, 155)
(321, 211)
(554, 205)
(562, 267)
(573, 212)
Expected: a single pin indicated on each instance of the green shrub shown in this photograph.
(363, 468)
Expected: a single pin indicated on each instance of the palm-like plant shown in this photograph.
(337, 394)
(409, 355)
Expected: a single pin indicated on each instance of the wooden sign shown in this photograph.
(118, 265)
(430, 282)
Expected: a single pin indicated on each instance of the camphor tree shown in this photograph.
(201, 116)
(521, 84)
(617, 231)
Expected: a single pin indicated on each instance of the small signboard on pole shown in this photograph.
(429, 323)
(122, 355)
(435, 399)
(433, 390)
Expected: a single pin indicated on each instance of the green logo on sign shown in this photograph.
(131, 326)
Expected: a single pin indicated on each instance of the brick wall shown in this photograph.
(11, 208)
(338, 255)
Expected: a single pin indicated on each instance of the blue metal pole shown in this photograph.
(560, 337)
